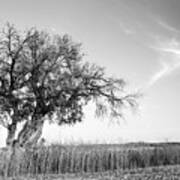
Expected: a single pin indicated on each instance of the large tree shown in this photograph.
(43, 77)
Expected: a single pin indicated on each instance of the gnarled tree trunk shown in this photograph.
(31, 132)
(11, 130)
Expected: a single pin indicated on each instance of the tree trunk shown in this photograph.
(11, 129)
(11, 134)
(31, 132)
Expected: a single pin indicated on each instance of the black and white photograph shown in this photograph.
(89, 89)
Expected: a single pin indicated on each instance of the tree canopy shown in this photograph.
(44, 77)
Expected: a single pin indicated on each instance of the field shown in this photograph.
(153, 173)
(101, 162)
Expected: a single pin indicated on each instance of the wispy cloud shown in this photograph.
(169, 59)
(166, 26)
(126, 29)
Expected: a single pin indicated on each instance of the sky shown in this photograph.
(138, 40)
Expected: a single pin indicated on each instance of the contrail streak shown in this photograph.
(170, 60)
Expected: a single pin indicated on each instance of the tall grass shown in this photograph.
(56, 159)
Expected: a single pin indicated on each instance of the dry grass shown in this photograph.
(153, 173)
(89, 159)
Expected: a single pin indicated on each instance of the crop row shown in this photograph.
(59, 160)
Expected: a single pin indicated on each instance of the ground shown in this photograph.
(152, 173)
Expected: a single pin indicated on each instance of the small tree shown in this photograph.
(43, 76)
